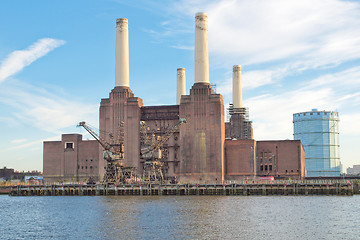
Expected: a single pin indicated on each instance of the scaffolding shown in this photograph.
(239, 126)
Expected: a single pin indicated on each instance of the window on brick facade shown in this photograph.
(69, 145)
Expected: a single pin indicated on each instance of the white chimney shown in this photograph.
(181, 84)
(122, 53)
(237, 89)
(201, 49)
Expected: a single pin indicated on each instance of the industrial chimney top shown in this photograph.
(121, 20)
(200, 14)
(237, 67)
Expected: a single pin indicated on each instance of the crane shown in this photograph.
(115, 171)
(151, 151)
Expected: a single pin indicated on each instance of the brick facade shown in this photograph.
(70, 159)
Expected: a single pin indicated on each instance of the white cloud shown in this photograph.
(298, 34)
(349, 76)
(8, 121)
(18, 60)
(29, 144)
(43, 109)
(30, 105)
(251, 80)
(315, 33)
(183, 47)
(19, 140)
(349, 124)
(272, 112)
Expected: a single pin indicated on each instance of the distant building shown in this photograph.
(6, 173)
(319, 133)
(21, 175)
(71, 159)
(355, 170)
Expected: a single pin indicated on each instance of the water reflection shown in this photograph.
(180, 217)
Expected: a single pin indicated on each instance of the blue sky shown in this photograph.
(57, 60)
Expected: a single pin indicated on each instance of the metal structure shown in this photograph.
(240, 127)
(115, 171)
(151, 151)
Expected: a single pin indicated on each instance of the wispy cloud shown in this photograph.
(250, 80)
(29, 144)
(19, 140)
(261, 31)
(18, 60)
(299, 35)
(183, 47)
(8, 121)
(272, 112)
(43, 109)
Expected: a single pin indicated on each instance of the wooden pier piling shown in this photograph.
(185, 189)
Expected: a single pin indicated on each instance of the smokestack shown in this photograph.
(237, 89)
(122, 53)
(181, 84)
(201, 49)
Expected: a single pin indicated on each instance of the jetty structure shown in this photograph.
(204, 150)
(245, 188)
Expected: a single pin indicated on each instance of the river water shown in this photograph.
(180, 217)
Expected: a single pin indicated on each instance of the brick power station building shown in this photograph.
(205, 149)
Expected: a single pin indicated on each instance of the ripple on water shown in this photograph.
(180, 217)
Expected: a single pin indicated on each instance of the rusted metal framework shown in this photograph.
(152, 149)
(115, 170)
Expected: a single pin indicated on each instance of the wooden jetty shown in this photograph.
(249, 189)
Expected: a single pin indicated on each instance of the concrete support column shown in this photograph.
(237, 88)
(122, 53)
(181, 84)
(201, 49)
